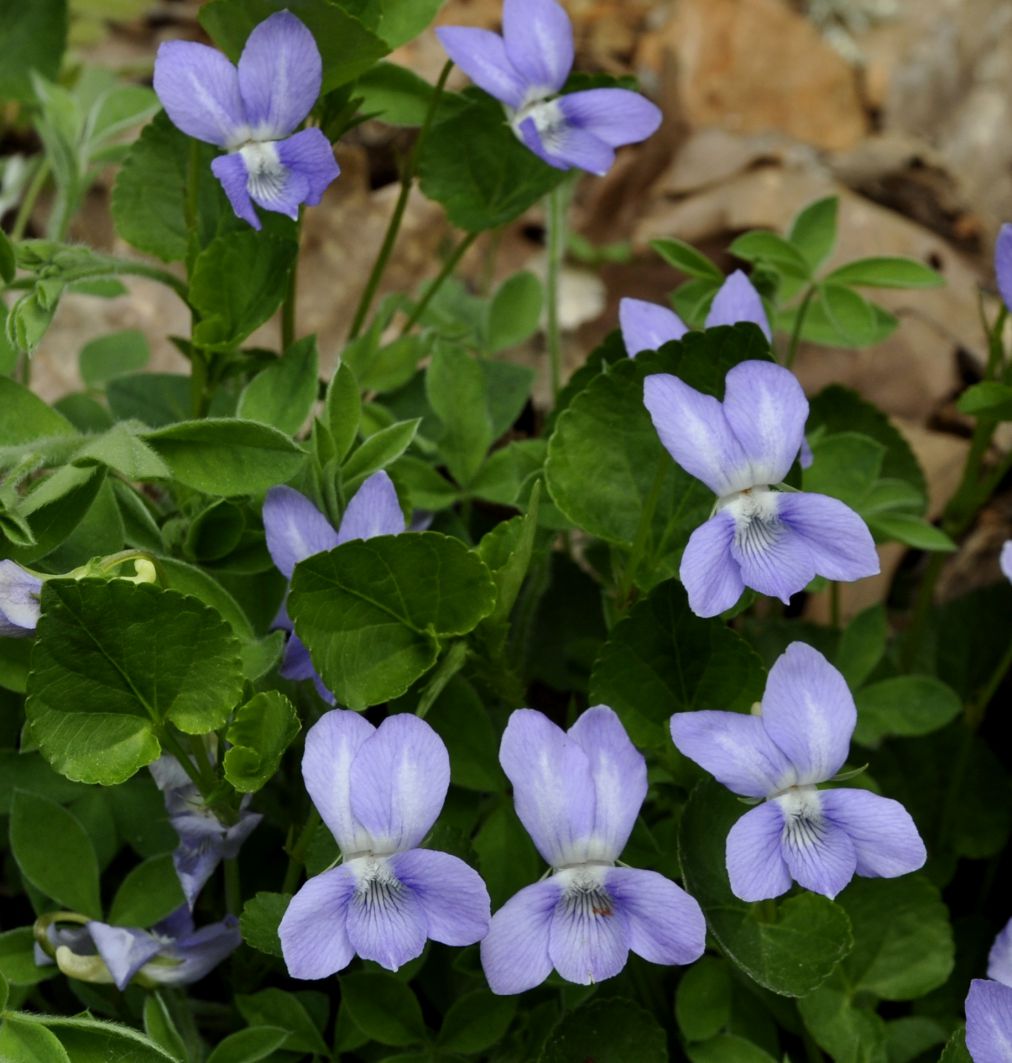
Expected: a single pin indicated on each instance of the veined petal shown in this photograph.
(481, 54)
(1003, 263)
(295, 529)
(19, 600)
(399, 779)
(754, 856)
(837, 538)
(818, 853)
(647, 326)
(270, 183)
(989, 1022)
(199, 89)
(734, 748)
(589, 937)
(552, 787)
(313, 931)
(280, 72)
(332, 744)
(618, 773)
(310, 155)
(452, 895)
(547, 133)
(514, 953)
(712, 577)
(231, 172)
(773, 558)
(999, 960)
(386, 920)
(539, 43)
(809, 712)
(616, 116)
(766, 410)
(194, 955)
(737, 300)
(666, 925)
(373, 510)
(195, 861)
(124, 950)
(884, 836)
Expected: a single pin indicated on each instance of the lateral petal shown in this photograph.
(837, 538)
(548, 134)
(313, 930)
(666, 925)
(231, 172)
(452, 895)
(885, 837)
(754, 857)
(711, 575)
(615, 116)
(310, 154)
(989, 1022)
(514, 953)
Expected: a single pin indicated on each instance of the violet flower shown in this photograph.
(379, 791)
(526, 68)
(296, 529)
(251, 112)
(1003, 264)
(1005, 559)
(989, 1005)
(774, 541)
(204, 841)
(799, 738)
(578, 794)
(648, 326)
(19, 601)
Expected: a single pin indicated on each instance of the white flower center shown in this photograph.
(376, 886)
(265, 172)
(757, 525)
(804, 822)
(583, 892)
(547, 116)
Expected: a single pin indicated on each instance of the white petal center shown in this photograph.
(265, 172)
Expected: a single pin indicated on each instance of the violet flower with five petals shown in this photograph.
(578, 794)
(525, 69)
(800, 738)
(989, 1005)
(296, 529)
(251, 111)
(379, 790)
(773, 541)
(19, 600)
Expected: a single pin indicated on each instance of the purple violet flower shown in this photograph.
(799, 738)
(647, 326)
(771, 540)
(296, 529)
(989, 1021)
(19, 601)
(1003, 263)
(379, 791)
(251, 112)
(1005, 559)
(204, 841)
(578, 794)
(526, 68)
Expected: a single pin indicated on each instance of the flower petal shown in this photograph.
(884, 836)
(387, 924)
(313, 931)
(618, 773)
(837, 538)
(295, 529)
(546, 132)
(192, 957)
(819, 854)
(695, 432)
(616, 116)
(989, 1022)
(552, 787)
(199, 89)
(399, 780)
(280, 73)
(514, 953)
(666, 925)
(754, 857)
(712, 577)
(647, 326)
(774, 560)
(737, 300)
(999, 960)
(589, 937)
(1003, 263)
(766, 410)
(124, 950)
(19, 600)
(1005, 559)
(452, 895)
(373, 510)
(310, 154)
(539, 43)
(332, 744)
(231, 172)
(734, 748)
(270, 183)
(809, 712)
(481, 54)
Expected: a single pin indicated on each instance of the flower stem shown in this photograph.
(297, 853)
(28, 202)
(393, 227)
(448, 267)
(557, 207)
(799, 322)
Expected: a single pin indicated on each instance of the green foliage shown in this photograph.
(384, 1008)
(260, 919)
(147, 894)
(608, 1031)
(34, 37)
(904, 705)
(283, 394)
(259, 733)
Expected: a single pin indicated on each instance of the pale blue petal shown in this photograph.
(564, 146)
(647, 326)
(19, 600)
(1003, 263)
(989, 1022)
(539, 43)
(837, 538)
(373, 510)
(819, 854)
(295, 529)
(231, 172)
(313, 930)
(452, 895)
(754, 856)
(124, 950)
(711, 575)
(589, 937)
(310, 155)
(999, 960)
(199, 89)
(614, 116)
(665, 924)
(737, 300)
(1005, 560)
(514, 954)
(196, 954)
(481, 54)
(387, 925)
(884, 836)
(773, 558)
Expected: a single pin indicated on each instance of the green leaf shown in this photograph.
(113, 663)
(226, 456)
(249, 1046)
(402, 20)
(845, 465)
(849, 313)
(884, 272)
(685, 257)
(373, 612)
(237, 283)
(283, 394)
(88, 1040)
(662, 658)
(8, 262)
(346, 46)
(791, 955)
(112, 355)
(476, 1021)
(988, 399)
(904, 705)
(384, 1008)
(514, 312)
(160, 1028)
(506, 550)
(850, 1034)
(259, 733)
(770, 248)
(17, 959)
(33, 40)
(342, 410)
(275, 1007)
(23, 1041)
(259, 921)
(455, 388)
(955, 1048)
(381, 449)
(54, 853)
(147, 894)
(813, 231)
(120, 449)
(862, 645)
(910, 530)
(29, 772)
(607, 1031)
(728, 1048)
(703, 999)
(24, 417)
(395, 94)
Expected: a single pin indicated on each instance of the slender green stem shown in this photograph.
(288, 306)
(110, 266)
(394, 225)
(448, 267)
(558, 203)
(799, 323)
(233, 890)
(29, 199)
(297, 853)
